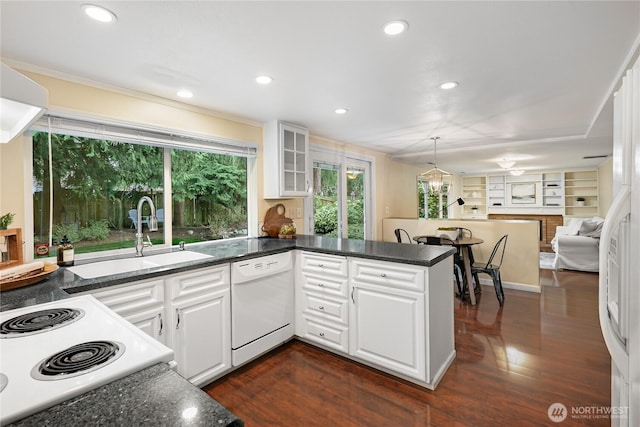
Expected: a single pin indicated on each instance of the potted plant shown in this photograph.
(474, 210)
(580, 201)
(5, 220)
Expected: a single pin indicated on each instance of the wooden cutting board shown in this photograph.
(275, 219)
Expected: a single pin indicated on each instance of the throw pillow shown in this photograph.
(587, 227)
(574, 226)
(596, 231)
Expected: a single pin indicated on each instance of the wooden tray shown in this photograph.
(8, 284)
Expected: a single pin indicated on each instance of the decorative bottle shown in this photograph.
(65, 253)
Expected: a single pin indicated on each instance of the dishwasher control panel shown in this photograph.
(242, 271)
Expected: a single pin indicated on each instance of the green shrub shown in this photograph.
(97, 230)
(69, 230)
(326, 219)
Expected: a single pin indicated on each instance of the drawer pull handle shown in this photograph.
(383, 275)
(321, 285)
(321, 307)
(321, 265)
(161, 324)
(321, 334)
(177, 318)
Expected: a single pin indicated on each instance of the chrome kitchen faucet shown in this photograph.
(153, 225)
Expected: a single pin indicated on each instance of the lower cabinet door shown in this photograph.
(387, 328)
(152, 322)
(201, 337)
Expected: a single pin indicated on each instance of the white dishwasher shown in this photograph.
(261, 305)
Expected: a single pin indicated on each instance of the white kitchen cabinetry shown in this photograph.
(200, 313)
(401, 318)
(286, 156)
(141, 303)
(322, 309)
(189, 312)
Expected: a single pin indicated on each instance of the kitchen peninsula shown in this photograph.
(420, 274)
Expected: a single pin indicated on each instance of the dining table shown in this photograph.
(463, 244)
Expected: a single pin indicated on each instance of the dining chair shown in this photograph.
(465, 232)
(402, 234)
(458, 264)
(492, 267)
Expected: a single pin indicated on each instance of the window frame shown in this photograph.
(166, 139)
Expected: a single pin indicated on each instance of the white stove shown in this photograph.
(82, 345)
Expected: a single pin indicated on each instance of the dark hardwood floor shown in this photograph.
(511, 365)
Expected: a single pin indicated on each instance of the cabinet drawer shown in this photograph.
(132, 297)
(334, 336)
(325, 285)
(388, 274)
(326, 308)
(198, 281)
(324, 264)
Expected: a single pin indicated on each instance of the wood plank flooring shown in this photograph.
(511, 365)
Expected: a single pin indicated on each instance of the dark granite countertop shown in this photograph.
(63, 282)
(156, 396)
(144, 398)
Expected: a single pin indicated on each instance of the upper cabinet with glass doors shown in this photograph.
(286, 153)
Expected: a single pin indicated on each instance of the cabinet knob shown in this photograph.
(321, 334)
(321, 265)
(383, 275)
(321, 307)
(321, 285)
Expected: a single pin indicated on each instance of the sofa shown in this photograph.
(577, 245)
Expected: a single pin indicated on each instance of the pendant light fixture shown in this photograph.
(436, 180)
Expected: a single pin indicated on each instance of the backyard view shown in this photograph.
(96, 184)
(326, 184)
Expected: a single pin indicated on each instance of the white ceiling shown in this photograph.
(535, 77)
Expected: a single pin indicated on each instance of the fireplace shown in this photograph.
(547, 226)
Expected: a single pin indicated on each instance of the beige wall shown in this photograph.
(605, 187)
(11, 182)
(520, 269)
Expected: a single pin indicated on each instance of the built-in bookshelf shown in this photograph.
(581, 193)
(573, 193)
(474, 193)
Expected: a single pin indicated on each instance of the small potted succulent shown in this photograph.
(580, 201)
(474, 210)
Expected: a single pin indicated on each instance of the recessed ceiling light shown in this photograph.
(341, 110)
(264, 80)
(185, 93)
(394, 28)
(99, 13)
(448, 85)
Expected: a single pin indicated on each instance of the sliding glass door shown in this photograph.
(341, 202)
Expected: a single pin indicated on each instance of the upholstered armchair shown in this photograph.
(577, 245)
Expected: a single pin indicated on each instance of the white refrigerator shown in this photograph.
(619, 290)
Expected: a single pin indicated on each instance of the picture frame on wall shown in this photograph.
(523, 194)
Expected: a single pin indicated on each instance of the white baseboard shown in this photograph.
(512, 285)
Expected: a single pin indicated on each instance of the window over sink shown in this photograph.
(89, 177)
